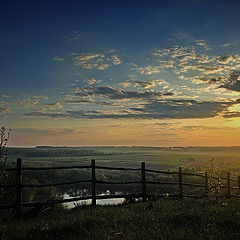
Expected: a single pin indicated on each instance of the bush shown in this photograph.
(4, 137)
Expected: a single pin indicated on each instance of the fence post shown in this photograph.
(239, 183)
(93, 183)
(228, 185)
(206, 183)
(144, 189)
(19, 188)
(180, 182)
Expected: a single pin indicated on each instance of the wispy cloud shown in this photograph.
(91, 81)
(145, 84)
(229, 44)
(31, 101)
(147, 70)
(98, 61)
(58, 59)
(4, 111)
(49, 106)
(190, 64)
(45, 131)
(75, 35)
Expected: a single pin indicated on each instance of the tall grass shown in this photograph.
(165, 219)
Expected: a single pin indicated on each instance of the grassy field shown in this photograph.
(227, 158)
(191, 159)
(165, 219)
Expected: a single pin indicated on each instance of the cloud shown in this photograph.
(58, 59)
(98, 61)
(31, 102)
(202, 43)
(91, 81)
(4, 110)
(144, 96)
(75, 35)
(189, 63)
(230, 44)
(226, 59)
(180, 109)
(232, 82)
(56, 105)
(73, 98)
(140, 84)
(40, 104)
(116, 60)
(46, 131)
(161, 109)
(199, 127)
(118, 94)
(148, 70)
(145, 84)
(50, 106)
(231, 114)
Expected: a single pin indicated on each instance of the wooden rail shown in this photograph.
(144, 196)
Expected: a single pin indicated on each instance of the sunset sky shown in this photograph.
(156, 73)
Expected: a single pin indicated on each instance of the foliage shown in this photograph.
(214, 182)
(4, 137)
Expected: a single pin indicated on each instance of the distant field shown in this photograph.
(191, 159)
(160, 158)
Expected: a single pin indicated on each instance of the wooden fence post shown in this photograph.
(206, 184)
(19, 188)
(180, 182)
(228, 185)
(238, 183)
(93, 183)
(144, 189)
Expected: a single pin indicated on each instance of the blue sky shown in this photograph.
(71, 65)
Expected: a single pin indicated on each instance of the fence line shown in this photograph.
(144, 196)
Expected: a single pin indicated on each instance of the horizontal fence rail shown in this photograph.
(19, 185)
(54, 168)
(54, 184)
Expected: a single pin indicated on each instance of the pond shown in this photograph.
(109, 201)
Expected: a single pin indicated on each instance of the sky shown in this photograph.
(152, 73)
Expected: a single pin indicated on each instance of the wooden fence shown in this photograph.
(143, 195)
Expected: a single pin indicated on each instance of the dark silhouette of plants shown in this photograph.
(214, 182)
(4, 137)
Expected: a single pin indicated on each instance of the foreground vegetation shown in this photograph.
(163, 219)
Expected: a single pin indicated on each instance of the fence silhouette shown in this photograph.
(143, 195)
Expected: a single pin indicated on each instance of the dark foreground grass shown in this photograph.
(164, 219)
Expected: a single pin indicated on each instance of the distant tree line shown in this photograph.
(53, 152)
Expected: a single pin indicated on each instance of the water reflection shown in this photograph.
(110, 201)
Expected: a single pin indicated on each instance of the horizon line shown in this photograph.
(118, 146)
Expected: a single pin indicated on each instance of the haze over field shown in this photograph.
(87, 73)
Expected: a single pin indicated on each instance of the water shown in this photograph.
(110, 201)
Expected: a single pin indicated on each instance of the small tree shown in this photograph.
(215, 183)
(4, 137)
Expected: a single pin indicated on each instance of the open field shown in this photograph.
(192, 160)
(227, 158)
(163, 219)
